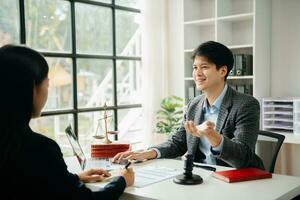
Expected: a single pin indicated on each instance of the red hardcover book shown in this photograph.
(243, 174)
(107, 150)
(110, 146)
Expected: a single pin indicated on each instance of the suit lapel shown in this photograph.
(194, 141)
(199, 112)
(224, 110)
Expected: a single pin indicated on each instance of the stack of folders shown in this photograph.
(242, 65)
(244, 174)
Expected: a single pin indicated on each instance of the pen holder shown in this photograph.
(188, 178)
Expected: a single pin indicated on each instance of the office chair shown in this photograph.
(280, 138)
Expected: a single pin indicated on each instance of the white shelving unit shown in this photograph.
(281, 114)
(241, 25)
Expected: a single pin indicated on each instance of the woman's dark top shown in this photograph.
(41, 173)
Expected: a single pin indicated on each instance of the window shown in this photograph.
(9, 22)
(93, 49)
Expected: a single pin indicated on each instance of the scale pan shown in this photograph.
(99, 136)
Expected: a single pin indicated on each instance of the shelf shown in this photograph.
(243, 46)
(241, 25)
(198, 9)
(239, 77)
(236, 18)
(195, 35)
(229, 77)
(278, 100)
(278, 127)
(234, 7)
(235, 32)
(279, 119)
(188, 50)
(277, 106)
(278, 113)
(200, 22)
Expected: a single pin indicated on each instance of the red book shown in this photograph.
(107, 150)
(243, 174)
(110, 146)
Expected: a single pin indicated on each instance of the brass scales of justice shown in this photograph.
(106, 132)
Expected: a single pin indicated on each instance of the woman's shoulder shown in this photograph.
(40, 141)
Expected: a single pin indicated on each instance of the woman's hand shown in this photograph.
(128, 175)
(93, 175)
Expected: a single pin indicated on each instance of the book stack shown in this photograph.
(107, 150)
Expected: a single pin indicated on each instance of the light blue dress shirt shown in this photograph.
(211, 113)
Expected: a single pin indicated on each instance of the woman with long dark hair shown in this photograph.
(32, 165)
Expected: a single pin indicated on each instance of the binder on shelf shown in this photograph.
(232, 71)
(243, 174)
(243, 64)
(241, 89)
(239, 64)
(248, 89)
(247, 64)
(233, 86)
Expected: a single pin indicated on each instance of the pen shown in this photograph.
(205, 167)
(127, 165)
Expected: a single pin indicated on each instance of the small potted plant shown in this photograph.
(169, 115)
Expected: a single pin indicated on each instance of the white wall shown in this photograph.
(175, 48)
(285, 48)
(285, 69)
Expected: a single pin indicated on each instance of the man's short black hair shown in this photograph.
(217, 53)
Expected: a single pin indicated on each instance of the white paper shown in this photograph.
(103, 164)
(149, 175)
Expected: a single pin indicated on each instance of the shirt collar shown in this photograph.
(217, 103)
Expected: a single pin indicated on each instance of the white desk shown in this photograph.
(278, 187)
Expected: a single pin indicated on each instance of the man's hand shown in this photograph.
(93, 175)
(205, 129)
(131, 155)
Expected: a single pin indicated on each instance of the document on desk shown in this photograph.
(149, 175)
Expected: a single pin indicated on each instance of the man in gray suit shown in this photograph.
(219, 127)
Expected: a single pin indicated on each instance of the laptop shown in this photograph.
(87, 163)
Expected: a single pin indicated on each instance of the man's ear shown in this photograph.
(223, 70)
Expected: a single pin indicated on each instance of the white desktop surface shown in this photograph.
(278, 187)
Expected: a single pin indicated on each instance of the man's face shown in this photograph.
(206, 75)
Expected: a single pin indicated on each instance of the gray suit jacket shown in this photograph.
(238, 122)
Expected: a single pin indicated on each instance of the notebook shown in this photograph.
(243, 174)
(87, 163)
